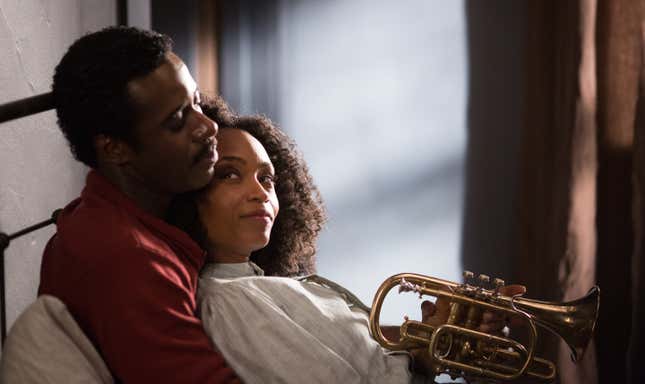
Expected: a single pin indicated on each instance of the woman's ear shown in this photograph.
(112, 150)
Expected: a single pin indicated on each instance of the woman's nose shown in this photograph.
(257, 192)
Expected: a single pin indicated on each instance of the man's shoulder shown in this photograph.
(96, 229)
(96, 222)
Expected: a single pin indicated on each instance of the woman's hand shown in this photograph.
(492, 322)
(437, 314)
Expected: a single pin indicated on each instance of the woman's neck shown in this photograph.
(227, 256)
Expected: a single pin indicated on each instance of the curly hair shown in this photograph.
(292, 247)
(90, 85)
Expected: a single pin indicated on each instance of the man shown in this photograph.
(130, 111)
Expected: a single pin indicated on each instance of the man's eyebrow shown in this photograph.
(171, 114)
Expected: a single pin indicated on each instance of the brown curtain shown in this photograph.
(578, 206)
(636, 368)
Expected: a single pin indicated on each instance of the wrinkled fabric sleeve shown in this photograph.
(264, 346)
(279, 330)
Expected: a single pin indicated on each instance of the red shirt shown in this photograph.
(129, 279)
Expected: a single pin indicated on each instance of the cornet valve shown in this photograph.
(484, 280)
(499, 284)
(468, 276)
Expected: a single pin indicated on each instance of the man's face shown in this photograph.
(175, 149)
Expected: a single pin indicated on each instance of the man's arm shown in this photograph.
(142, 316)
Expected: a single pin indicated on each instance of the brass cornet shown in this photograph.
(458, 349)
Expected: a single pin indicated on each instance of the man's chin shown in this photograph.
(204, 178)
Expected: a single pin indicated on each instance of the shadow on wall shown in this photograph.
(496, 43)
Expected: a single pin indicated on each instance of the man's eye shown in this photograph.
(176, 121)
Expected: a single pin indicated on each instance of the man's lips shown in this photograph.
(207, 154)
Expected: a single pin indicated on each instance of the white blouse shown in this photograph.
(282, 330)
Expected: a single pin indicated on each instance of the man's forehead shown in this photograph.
(170, 78)
(176, 62)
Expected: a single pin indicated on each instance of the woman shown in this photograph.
(259, 219)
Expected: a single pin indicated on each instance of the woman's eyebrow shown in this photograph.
(236, 159)
(233, 158)
(266, 165)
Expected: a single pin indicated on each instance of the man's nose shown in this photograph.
(205, 127)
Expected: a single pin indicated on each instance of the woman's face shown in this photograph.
(240, 205)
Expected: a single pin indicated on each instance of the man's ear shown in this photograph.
(112, 150)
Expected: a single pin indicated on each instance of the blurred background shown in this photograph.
(377, 94)
(501, 137)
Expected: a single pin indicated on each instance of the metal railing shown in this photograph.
(10, 111)
(5, 240)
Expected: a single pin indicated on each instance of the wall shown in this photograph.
(179, 20)
(37, 171)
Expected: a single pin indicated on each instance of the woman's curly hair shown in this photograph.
(292, 246)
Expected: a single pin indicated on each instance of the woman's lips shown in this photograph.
(259, 215)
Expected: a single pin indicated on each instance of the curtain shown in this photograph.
(635, 367)
(579, 211)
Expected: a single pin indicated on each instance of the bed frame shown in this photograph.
(10, 111)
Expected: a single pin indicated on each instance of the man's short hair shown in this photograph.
(90, 85)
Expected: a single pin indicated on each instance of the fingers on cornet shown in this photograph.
(489, 316)
(443, 305)
(512, 290)
(492, 323)
(495, 326)
(428, 309)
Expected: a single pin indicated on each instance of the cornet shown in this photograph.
(459, 350)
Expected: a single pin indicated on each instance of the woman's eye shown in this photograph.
(267, 179)
(227, 175)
